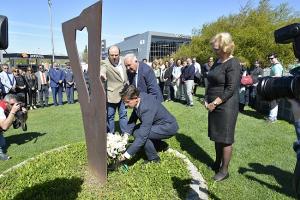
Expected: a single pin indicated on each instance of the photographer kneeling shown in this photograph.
(9, 106)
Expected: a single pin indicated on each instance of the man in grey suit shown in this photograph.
(156, 123)
(43, 86)
(113, 72)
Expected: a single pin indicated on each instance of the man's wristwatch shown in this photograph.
(215, 103)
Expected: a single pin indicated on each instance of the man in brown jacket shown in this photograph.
(113, 72)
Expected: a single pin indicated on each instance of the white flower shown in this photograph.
(116, 144)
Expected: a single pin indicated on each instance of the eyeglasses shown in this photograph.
(216, 49)
(5, 68)
(271, 58)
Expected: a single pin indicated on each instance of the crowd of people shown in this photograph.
(142, 87)
(170, 80)
(32, 88)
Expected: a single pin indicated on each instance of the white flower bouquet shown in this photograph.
(116, 145)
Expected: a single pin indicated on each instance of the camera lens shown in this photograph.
(270, 88)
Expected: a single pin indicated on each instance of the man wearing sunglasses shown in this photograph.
(276, 71)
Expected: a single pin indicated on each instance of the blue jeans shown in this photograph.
(57, 91)
(70, 94)
(2, 142)
(111, 110)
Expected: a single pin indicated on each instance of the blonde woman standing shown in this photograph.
(222, 102)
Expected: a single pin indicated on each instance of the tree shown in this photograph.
(252, 30)
(85, 54)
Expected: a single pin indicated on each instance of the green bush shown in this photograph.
(252, 30)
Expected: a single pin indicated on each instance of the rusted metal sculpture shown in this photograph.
(93, 102)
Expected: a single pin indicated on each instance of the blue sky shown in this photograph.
(29, 20)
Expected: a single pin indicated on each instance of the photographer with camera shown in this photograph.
(9, 107)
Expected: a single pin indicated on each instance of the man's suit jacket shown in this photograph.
(114, 83)
(39, 78)
(55, 76)
(7, 84)
(146, 81)
(154, 117)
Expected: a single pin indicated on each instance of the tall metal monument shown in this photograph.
(93, 102)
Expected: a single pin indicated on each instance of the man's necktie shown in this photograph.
(136, 79)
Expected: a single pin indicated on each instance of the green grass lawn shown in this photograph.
(261, 167)
(47, 177)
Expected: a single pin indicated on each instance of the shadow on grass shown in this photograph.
(187, 144)
(182, 187)
(59, 188)
(23, 138)
(253, 113)
(200, 96)
(283, 178)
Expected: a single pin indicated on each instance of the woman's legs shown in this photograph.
(227, 152)
(223, 157)
(219, 153)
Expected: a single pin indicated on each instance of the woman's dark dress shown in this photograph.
(223, 82)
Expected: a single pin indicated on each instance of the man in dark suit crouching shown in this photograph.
(156, 123)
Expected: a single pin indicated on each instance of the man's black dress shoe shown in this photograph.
(220, 176)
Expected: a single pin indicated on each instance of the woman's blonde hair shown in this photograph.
(225, 42)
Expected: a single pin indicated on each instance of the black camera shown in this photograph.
(270, 88)
(20, 119)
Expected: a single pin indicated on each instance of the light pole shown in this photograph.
(51, 29)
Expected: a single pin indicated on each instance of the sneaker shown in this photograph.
(31, 108)
(34, 107)
(3, 156)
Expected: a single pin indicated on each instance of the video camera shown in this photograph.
(20, 118)
(270, 88)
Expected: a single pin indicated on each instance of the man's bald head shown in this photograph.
(114, 55)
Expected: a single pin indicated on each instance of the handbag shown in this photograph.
(247, 80)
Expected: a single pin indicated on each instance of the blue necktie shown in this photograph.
(136, 79)
(11, 82)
